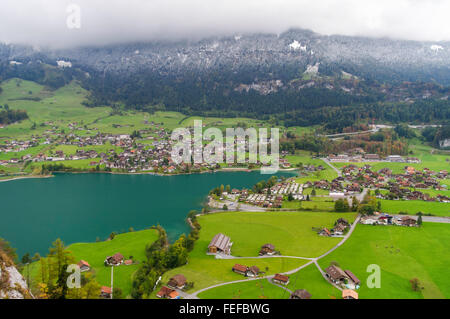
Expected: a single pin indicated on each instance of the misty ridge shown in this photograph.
(299, 48)
(300, 77)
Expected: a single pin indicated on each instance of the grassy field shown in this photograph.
(290, 232)
(61, 107)
(255, 289)
(308, 278)
(128, 244)
(402, 254)
(315, 203)
(414, 206)
(434, 162)
(311, 279)
(305, 158)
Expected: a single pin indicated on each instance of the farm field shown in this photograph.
(434, 162)
(290, 232)
(128, 244)
(205, 271)
(305, 158)
(403, 253)
(414, 206)
(308, 278)
(311, 279)
(254, 289)
(62, 106)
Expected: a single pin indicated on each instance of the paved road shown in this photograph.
(374, 130)
(312, 260)
(260, 257)
(329, 164)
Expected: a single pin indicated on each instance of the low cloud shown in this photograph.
(44, 22)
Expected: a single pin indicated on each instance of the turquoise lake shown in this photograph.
(84, 207)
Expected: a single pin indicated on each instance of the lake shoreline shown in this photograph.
(237, 169)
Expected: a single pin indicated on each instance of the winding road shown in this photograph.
(290, 272)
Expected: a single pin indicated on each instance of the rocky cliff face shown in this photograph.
(12, 283)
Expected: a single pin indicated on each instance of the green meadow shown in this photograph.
(290, 232)
(304, 158)
(254, 289)
(130, 244)
(412, 207)
(310, 279)
(403, 253)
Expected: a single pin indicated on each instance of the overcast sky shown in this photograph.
(44, 22)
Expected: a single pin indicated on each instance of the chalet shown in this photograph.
(342, 221)
(167, 293)
(280, 279)
(267, 249)
(339, 229)
(252, 271)
(395, 158)
(240, 269)
(352, 277)
(300, 294)
(115, 260)
(408, 221)
(335, 274)
(128, 262)
(325, 232)
(174, 295)
(220, 244)
(372, 157)
(106, 292)
(412, 160)
(349, 294)
(177, 281)
(84, 266)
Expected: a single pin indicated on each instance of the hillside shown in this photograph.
(255, 74)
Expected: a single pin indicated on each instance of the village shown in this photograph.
(147, 150)
(352, 183)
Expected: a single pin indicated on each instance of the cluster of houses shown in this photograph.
(263, 200)
(342, 278)
(116, 260)
(386, 219)
(177, 282)
(399, 186)
(272, 198)
(287, 187)
(252, 271)
(150, 153)
(18, 146)
(361, 156)
(340, 227)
